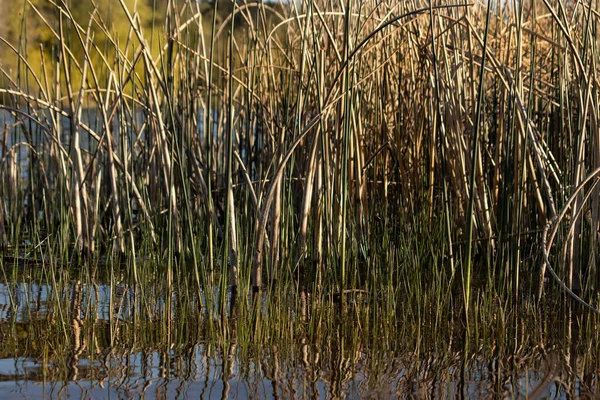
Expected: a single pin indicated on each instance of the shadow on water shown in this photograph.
(70, 338)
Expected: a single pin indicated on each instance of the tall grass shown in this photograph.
(305, 145)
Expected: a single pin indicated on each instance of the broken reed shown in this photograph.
(299, 136)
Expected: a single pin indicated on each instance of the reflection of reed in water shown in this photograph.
(270, 368)
(310, 362)
(227, 372)
(78, 342)
(141, 353)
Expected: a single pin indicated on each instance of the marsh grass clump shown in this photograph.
(391, 164)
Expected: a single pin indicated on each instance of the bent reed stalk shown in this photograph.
(320, 133)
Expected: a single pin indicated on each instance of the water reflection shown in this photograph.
(94, 341)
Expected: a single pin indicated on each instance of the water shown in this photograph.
(77, 342)
(199, 372)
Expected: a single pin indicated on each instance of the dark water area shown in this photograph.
(97, 341)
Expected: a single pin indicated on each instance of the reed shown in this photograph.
(337, 150)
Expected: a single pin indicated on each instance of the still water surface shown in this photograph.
(90, 355)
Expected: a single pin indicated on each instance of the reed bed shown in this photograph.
(400, 155)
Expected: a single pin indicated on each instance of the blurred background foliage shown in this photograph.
(33, 26)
